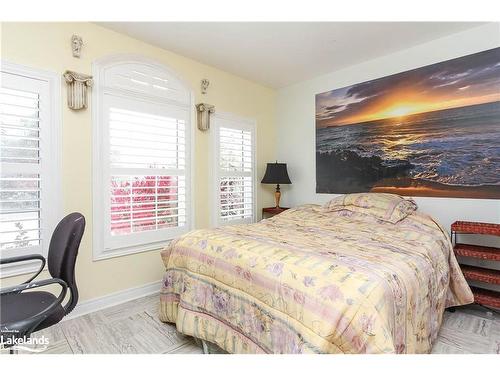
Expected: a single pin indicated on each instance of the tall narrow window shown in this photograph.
(29, 154)
(234, 159)
(142, 192)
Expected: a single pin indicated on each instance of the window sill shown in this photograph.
(118, 252)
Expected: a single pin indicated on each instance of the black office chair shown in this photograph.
(24, 312)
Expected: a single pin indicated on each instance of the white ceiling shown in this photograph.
(278, 54)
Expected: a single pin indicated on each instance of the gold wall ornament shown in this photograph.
(76, 45)
(77, 84)
(204, 111)
(204, 85)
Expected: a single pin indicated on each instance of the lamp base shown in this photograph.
(277, 196)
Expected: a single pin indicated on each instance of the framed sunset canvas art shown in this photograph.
(431, 131)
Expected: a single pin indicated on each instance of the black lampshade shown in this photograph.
(276, 174)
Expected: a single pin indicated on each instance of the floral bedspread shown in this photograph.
(311, 281)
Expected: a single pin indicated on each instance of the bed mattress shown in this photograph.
(312, 281)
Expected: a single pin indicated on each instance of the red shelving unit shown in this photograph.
(473, 273)
(479, 252)
(486, 297)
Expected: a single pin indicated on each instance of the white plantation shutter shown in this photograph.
(29, 165)
(235, 171)
(143, 174)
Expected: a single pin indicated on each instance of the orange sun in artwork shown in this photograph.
(400, 110)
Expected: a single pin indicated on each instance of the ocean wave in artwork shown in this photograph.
(454, 148)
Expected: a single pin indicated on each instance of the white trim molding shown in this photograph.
(113, 299)
(155, 86)
(52, 163)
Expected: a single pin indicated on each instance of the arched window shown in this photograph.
(142, 116)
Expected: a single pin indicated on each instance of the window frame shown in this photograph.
(51, 166)
(242, 123)
(102, 248)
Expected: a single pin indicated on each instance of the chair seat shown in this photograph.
(20, 306)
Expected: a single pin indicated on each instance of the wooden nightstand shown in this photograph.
(268, 212)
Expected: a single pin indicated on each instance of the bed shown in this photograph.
(338, 278)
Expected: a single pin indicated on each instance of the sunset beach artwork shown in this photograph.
(432, 131)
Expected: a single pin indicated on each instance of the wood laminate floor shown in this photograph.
(134, 327)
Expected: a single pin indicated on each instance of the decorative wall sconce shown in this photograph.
(77, 84)
(76, 45)
(204, 111)
(204, 85)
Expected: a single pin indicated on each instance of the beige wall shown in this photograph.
(47, 46)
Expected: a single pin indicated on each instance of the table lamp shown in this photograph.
(276, 173)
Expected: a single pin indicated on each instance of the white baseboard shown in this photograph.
(113, 299)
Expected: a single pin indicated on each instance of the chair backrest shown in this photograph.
(63, 250)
